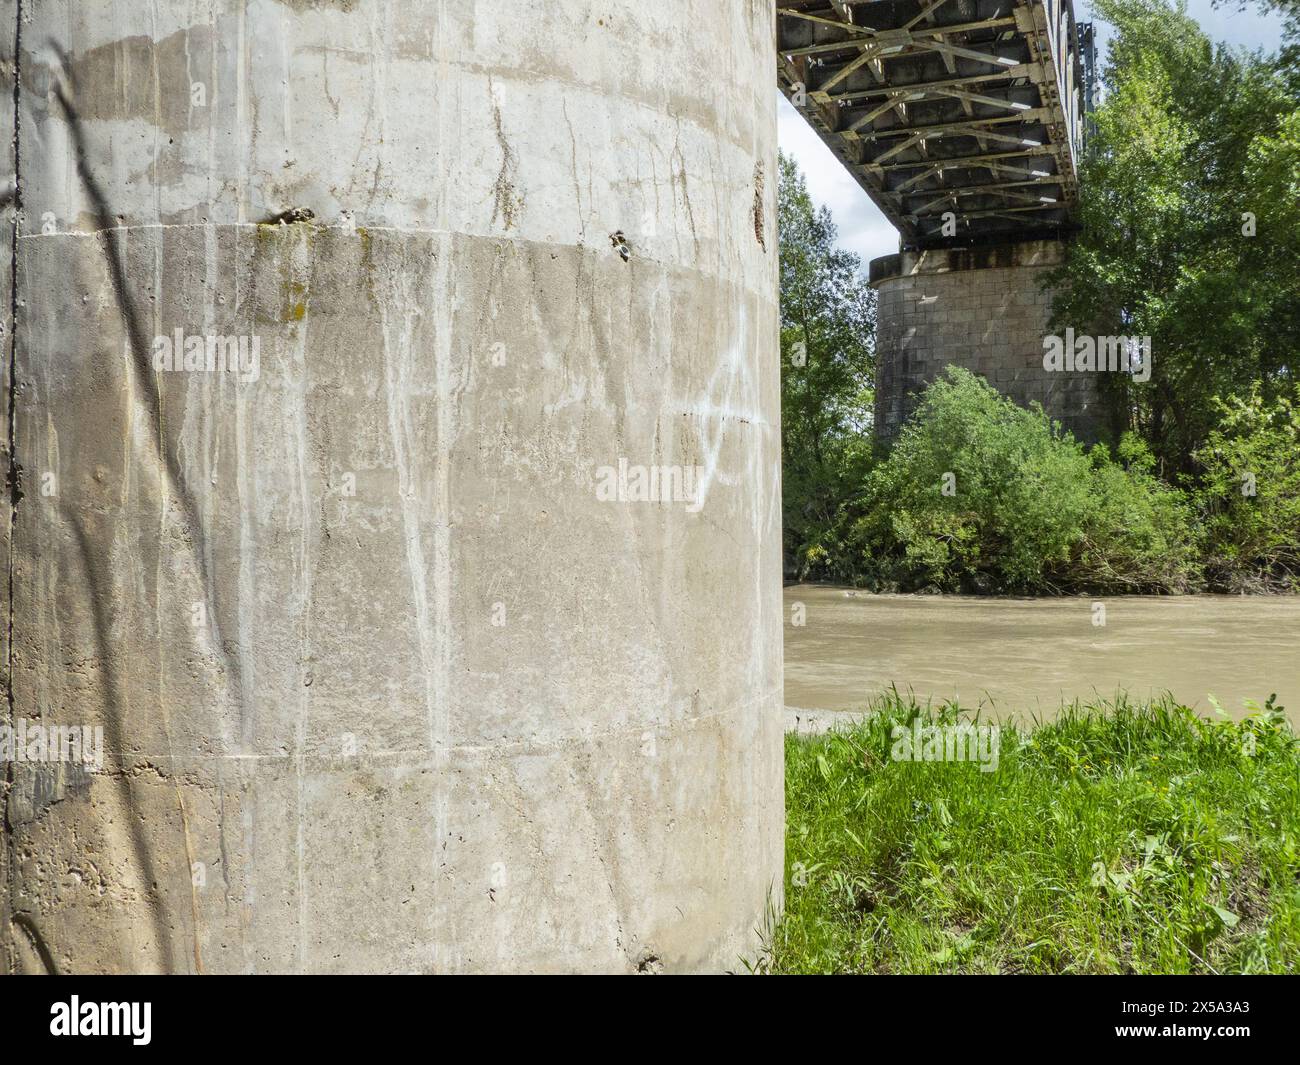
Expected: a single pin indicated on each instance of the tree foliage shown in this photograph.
(1249, 495)
(1189, 224)
(827, 368)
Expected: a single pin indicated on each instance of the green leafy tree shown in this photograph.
(827, 369)
(1249, 496)
(1188, 212)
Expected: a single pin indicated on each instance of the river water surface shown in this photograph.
(1023, 656)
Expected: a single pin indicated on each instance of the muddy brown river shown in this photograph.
(1024, 656)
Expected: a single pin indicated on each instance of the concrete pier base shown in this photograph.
(405, 657)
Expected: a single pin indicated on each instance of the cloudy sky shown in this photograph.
(863, 229)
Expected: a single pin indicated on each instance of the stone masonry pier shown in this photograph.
(983, 308)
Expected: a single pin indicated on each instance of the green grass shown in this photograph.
(1119, 838)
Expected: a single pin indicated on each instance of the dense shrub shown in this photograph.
(1249, 496)
(979, 494)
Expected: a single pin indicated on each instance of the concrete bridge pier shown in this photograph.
(396, 491)
(983, 308)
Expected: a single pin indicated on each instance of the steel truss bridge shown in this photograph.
(963, 120)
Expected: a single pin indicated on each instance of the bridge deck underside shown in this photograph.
(964, 111)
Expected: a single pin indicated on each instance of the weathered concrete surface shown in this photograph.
(982, 308)
(384, 684)
(8, 217)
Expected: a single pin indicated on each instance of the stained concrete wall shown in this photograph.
(985, 309)
(387, 681)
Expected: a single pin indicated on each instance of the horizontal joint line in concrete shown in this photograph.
(140, 763)
(665, 264)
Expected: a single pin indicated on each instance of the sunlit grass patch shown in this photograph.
(1118, 838)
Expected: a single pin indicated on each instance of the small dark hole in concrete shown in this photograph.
(292, 215)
